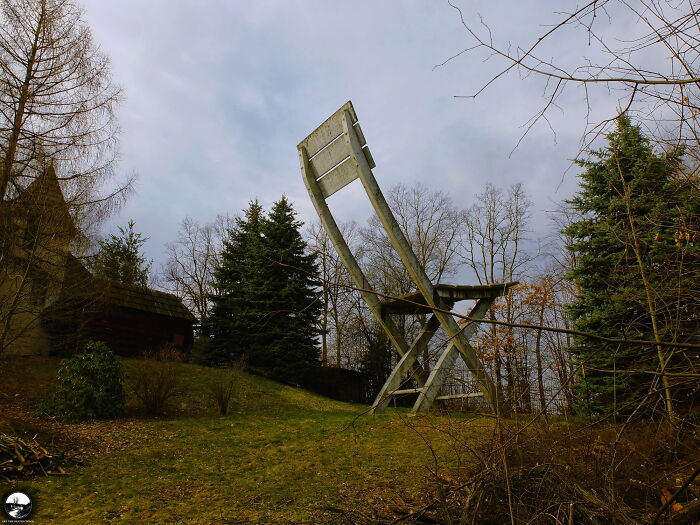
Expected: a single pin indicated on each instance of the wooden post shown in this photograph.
(404, 365)
(348, 259)
(447, 360)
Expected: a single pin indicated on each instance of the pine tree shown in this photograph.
(291, 302)
(233, 323)
(266, 309)
(635, 279)
(119, 257)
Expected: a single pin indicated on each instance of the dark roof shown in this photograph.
(450, 293)
(143, 299)
(82, 284)
(44, 193)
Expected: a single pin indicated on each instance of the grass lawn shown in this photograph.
(282, 455)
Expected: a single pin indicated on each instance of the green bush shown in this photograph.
(89, 386)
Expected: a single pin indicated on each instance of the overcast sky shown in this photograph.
(219, 93)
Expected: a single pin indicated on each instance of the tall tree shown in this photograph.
(192, 258)
(119, 257)
(338, 299)
(266, 307)
(57, 116)
(234, 324)
(637, 273)
(57, 100)
(293, 305)
(496, 226)
(432, 225)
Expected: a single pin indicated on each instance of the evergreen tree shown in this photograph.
(233, 321)
(634, 278)
(265, 309)
(290, 304)
(119, 257)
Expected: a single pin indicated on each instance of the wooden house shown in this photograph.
(51, 304)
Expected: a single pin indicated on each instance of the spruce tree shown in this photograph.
(266, 309)
(119, 257)
(292, 309)
(233, 321)
(634, 278)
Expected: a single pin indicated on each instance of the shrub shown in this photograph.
(571, 473)
(222, 386)
(157, 379)
(89, 386)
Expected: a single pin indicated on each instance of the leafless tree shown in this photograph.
(191, 259)
(432, 225)
(57, 101)
(57, 114)
(493, 248)
(496, 226)
(340, 302)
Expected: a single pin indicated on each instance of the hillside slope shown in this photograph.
(283, 455)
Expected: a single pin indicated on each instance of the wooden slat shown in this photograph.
(329, 131)
(338, 178)
(334, 155)
(330, 156)
(461, 396)
(406, 391)
(358, 277)
(368, 156)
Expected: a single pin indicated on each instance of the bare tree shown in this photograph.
(496, 225)
(57, 105)
(493, 249)
(339, 299)
(432, 225)
(57, 100)
(191, 259)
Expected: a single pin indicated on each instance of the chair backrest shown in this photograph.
(329, 152)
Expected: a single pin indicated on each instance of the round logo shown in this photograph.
(18, 505)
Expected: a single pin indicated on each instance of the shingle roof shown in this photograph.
(143, 299)
(80, 282)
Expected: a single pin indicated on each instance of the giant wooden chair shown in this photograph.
(333, 156)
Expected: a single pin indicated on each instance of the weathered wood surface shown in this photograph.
(460, 396)
(331, 157)
(447, 359)
(415, 303)
(337, 179)
(405, 364)
(417, 273)
(348, 259)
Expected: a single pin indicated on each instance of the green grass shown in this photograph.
(283, 455)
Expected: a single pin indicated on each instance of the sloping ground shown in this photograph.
(283, 455)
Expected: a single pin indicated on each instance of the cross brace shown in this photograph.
(333, 156)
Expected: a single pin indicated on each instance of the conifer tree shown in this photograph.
(636, 275)
(119, 257)
(292, 306)
(266, 308)
(233, 322)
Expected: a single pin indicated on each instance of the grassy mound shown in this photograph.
(281, 455)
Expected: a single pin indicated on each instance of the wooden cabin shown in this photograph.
(51, 304)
